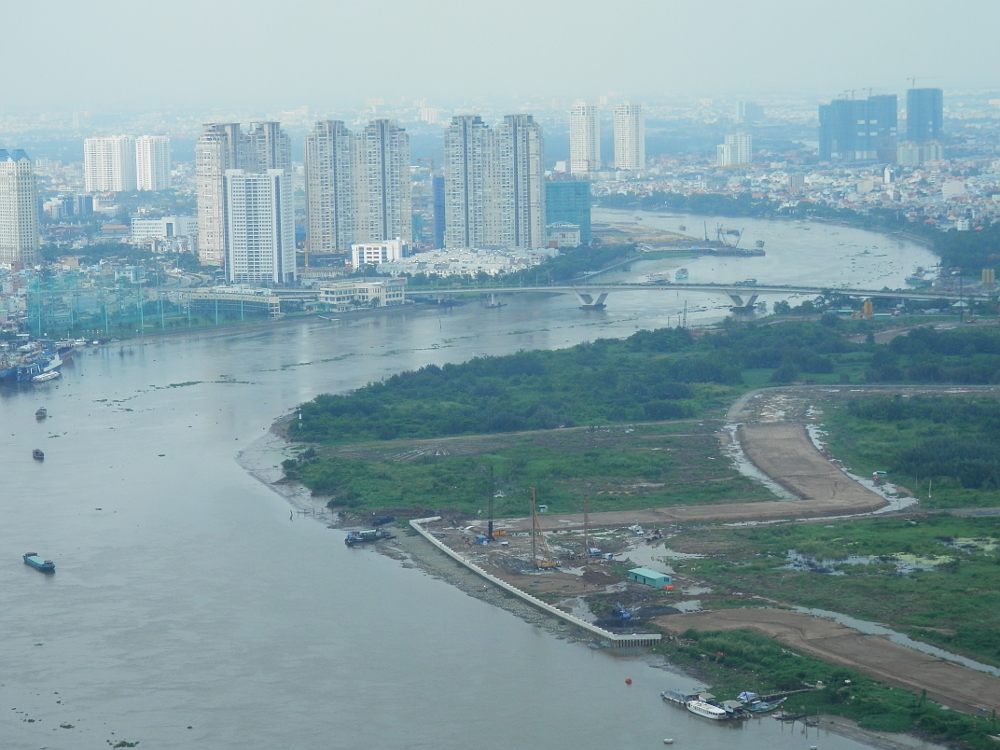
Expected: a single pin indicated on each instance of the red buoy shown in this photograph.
(628, 680)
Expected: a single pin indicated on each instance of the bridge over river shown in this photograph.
(744, 297)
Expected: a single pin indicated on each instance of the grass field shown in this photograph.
(617, 467)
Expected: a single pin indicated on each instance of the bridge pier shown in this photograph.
(589, 301)
(739, 306)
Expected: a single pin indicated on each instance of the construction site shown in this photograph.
(630, 573)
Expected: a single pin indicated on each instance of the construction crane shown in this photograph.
(492, 492)
(538, 543)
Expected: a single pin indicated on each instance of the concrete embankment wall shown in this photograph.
(616, 639)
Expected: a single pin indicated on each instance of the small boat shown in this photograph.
(707, 710)
(41, 413)
(38, 563)
(762, 707)
(370, 535)
(38, 455)
(46, 376)
(681, 274)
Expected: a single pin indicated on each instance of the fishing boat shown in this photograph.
(38, 563)
(762, 707)
(41, 413)
(707, 710)
(37, 454)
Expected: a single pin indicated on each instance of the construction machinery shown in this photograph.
(541, 555)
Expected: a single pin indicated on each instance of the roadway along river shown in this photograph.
(188, 611)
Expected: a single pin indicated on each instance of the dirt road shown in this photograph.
(953, 685)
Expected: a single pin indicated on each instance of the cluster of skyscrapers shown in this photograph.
(867, 129)
(585, 138)
(123, 164)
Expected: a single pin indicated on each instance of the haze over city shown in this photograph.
(131, 55)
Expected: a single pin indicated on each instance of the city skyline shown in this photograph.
(903, 40)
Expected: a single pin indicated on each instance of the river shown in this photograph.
(189, 611)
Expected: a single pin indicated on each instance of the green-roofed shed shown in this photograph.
(649, 577)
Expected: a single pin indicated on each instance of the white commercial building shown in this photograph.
(374, 253)
(584, 138)
(109, 164)
(736, 150)
(18, 209)
(354, 293)
(259, 227)
(165, 226)
(630, 138)
(152, 162)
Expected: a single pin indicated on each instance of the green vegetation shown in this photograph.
(937, 578)
(970, 251)
(929, 356)
(944, 448)
(652, 375)
(618, 468)
(736, 661)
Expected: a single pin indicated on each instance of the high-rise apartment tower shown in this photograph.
(152, 162)
(259, 220)
(924, 115)
(630, 137)
(328, 179)
(515, 213)
(858, 129)
(220, 147)
(466, 155)
(584, 138)
(109, 164)
(382, 209)
(18, 209)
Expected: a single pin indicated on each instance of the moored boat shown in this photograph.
(370, 535)
(681, 274)
(707, 710)
(39, 563)
(44, 377)
(761, 707)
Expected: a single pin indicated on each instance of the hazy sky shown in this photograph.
(66, 54)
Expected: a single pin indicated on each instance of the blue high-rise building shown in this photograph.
(569, 202)
(437, 193)
(924, 115)
(859, 129)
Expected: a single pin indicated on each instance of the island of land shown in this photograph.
(650, 452)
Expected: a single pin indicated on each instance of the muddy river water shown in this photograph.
(188, 610)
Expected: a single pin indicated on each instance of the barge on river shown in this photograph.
(38, 563)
